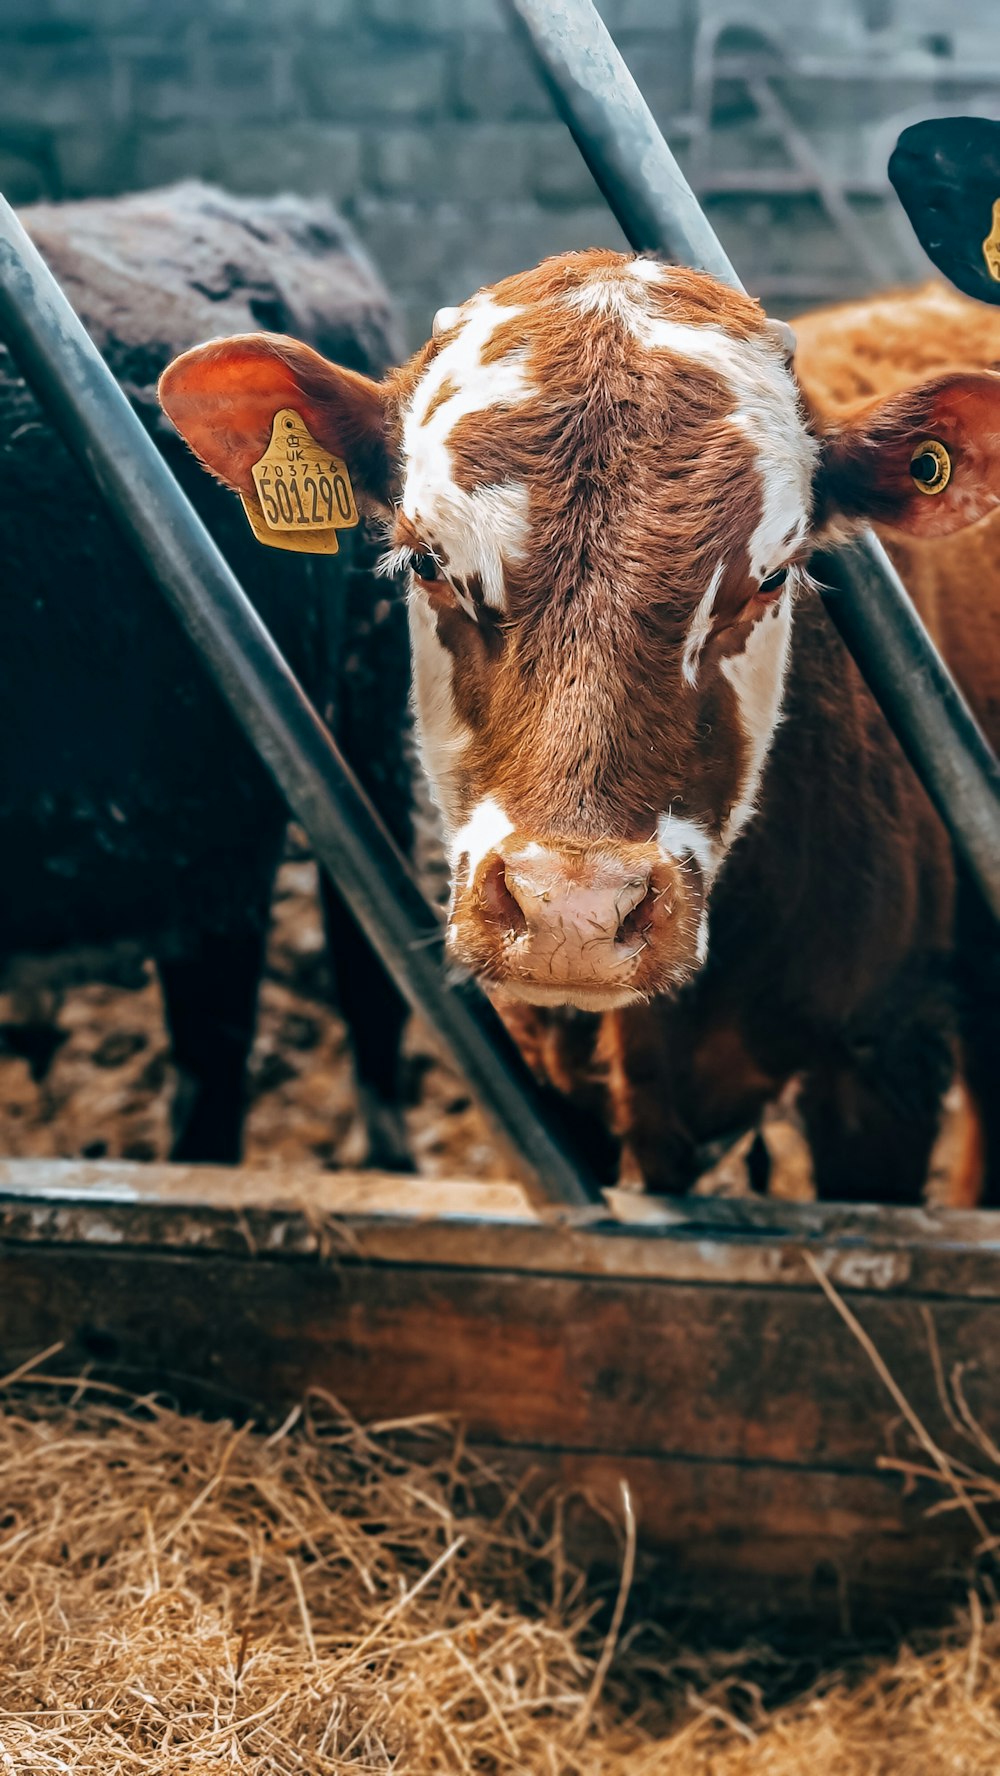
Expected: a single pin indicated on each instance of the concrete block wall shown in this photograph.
(425, 123)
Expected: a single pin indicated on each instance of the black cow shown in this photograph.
(131, 807)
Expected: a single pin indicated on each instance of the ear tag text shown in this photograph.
(991, 245)
(305, 493)
(930, 466)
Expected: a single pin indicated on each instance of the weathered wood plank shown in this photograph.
(414, 1221)
(756, 1541)
(596, 1364)
(753, 1477)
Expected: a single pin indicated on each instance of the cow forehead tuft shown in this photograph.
(506, 342)
(556, 339)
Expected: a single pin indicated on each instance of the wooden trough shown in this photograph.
(687, 1348)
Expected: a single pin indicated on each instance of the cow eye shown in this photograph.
(426, 568)
(774, 582)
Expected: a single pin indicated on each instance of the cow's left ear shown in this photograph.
(926, 461)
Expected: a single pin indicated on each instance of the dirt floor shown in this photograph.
(85, 1070)
(108, 1087)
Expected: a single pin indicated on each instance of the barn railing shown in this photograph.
(67, 373)
(658, 212)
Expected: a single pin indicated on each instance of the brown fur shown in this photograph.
(850, 354)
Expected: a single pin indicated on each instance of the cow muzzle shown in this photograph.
(593, 926)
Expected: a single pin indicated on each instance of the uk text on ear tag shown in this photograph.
(991, 245)
(305, 493)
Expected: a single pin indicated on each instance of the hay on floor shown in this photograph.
(181, 1597)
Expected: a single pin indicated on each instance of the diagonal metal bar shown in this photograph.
(624, 148)
(72, 381)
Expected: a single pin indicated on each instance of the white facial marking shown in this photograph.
(441, 737)
(766, 408)
(699, 629)
(484, 829)
(757, 676)
(394, 561)
(614, 296)
(679, 837)
(498, 533)
(465, 603)
(488, 527)
(786, 458)
(767, 413)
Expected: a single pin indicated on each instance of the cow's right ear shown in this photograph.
(223, 397)
(925, 461)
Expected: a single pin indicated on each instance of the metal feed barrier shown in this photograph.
(642, 182)
(618, 137)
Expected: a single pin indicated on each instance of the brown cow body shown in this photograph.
(682, 899)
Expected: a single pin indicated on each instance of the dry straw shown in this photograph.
(183, 1597)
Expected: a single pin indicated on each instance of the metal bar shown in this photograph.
(658, 212)
(881, 625)
(71, 380)
(617, 134)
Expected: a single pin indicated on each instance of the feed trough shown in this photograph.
(687, 1348)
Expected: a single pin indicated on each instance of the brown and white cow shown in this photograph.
(688, 859)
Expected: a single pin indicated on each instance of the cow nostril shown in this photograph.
(498, 902)
(635, 926)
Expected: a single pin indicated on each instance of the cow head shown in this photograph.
(603, 483)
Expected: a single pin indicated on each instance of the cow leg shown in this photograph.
(680, 1081)
(872, 1115)
(982, 1076)
(210, 994)
(980, 1019)
(375, 1014)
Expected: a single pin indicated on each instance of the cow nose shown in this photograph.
(588, 902)
(569, 926)
(595, 924)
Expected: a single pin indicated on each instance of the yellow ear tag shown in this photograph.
(930, 466)
(991, 245)
(305, 493)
